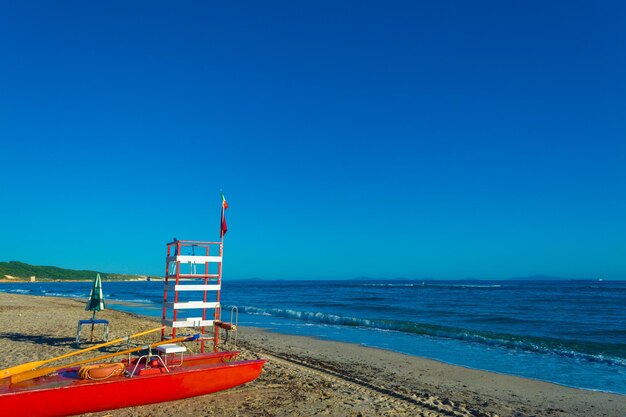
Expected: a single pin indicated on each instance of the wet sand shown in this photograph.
(305, 376)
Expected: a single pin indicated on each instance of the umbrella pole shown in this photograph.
(93, 316)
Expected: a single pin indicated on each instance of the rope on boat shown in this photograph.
(101, 371)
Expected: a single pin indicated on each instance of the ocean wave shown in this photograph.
(501, 320)
(425, 284)
(64, 295)
(20, 291)
(391, 285)
(369, 299)
(133, 300)
(608, 288)
(613, 354)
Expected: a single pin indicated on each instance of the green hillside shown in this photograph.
(48, 273)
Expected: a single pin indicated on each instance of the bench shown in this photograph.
(103, 322)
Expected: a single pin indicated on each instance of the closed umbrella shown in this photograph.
(96, 300)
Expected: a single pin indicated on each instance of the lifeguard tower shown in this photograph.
(191, 295)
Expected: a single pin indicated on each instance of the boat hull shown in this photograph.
(64, 394)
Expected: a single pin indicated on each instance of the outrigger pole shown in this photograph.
(32, 365)
(223, 230)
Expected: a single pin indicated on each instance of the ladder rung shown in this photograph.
(187, 287)
(194, 276)
(191, 259)
(189, 277)
(190, 322)
(192, 304)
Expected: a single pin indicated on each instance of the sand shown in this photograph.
(306, 376)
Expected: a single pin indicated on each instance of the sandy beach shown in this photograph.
(306, 376)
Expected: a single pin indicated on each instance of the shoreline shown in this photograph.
(442, 362)
(308, 376)
(499, 393)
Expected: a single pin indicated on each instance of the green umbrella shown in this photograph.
(96, 300)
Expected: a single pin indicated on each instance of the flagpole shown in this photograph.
(218, 311)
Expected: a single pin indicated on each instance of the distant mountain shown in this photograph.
(20, 271)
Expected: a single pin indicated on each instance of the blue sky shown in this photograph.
(437, 140)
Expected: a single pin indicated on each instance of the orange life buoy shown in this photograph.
(101, 371)
(225, 326)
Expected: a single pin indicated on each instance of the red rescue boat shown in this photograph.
(65, 393)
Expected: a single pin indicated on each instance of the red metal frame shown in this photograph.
(176, 248)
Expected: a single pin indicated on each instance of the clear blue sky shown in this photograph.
(442, 140)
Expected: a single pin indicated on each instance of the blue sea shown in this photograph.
(567, 332)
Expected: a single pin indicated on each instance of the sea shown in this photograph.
(571, 333)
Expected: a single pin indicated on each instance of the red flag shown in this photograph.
(223, 227)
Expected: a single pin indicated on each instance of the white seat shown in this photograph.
(171, 348)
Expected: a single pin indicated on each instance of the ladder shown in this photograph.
(191, 294)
